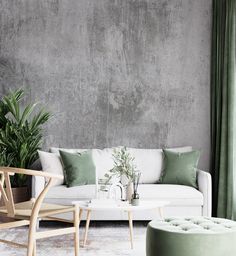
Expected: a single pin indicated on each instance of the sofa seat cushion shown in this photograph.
(175, 194)
(78, 192)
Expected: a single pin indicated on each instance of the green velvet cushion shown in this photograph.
(79, 169)
(180, 168)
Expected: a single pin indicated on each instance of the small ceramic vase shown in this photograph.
(129, 191)
(135, 199)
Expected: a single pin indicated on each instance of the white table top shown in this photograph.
(119, 205)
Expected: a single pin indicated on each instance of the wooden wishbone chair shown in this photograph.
(28, 213)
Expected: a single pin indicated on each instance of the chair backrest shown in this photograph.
(6, 189)
(6, 193)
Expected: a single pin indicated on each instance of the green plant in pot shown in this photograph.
(124, 169)
(20, 133)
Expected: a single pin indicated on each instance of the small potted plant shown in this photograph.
(20, 138)
(123, 169)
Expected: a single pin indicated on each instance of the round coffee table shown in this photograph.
(119, 206)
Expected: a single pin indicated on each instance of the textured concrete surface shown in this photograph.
(113, 72)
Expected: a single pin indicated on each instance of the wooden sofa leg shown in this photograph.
(76, 225)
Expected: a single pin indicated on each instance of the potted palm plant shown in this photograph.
(20, 138)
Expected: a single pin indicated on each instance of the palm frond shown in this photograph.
(39, 119)
(26, 113)
(20, 133)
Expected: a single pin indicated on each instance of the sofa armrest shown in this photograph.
(38, 184)
(205, 187)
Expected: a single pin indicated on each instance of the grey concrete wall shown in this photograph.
(113, 72)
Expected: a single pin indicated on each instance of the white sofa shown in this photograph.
(183, 200)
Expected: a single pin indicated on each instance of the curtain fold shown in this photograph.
(223, 103)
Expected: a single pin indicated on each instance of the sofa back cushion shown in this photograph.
(68, 150)
(103, 161)
(150, 162)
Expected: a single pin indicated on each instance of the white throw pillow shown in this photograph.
(51, 163)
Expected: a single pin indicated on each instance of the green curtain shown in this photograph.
(223, 103)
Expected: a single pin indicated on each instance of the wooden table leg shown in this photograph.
(130, 216)
(80, 214)
(87, 227)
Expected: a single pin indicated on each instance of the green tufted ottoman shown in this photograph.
(197, 236)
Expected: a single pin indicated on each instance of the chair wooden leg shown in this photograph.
(31, 247)
(31, 238)
(76, 225)
(87, 227)
(34, 251)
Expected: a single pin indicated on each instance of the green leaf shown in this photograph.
(39, 119)
(20, 133)
(26, 113)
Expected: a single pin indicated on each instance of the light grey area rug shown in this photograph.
(104, 239)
